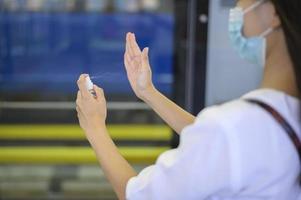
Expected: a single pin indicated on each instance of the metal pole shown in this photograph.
(190, 63)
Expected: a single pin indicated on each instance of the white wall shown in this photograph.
(228, 76)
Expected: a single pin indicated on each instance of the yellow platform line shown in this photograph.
(72, 155)
(74, 132)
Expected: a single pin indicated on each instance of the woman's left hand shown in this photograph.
(91, 111)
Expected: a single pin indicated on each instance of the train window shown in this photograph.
(46, 44)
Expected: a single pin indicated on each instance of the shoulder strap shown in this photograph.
(285, 125)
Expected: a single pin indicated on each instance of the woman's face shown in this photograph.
(259, 19)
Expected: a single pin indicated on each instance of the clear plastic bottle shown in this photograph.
(89, 85)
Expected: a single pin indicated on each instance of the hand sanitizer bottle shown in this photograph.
(89, 85)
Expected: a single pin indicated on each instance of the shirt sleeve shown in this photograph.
(200, 167)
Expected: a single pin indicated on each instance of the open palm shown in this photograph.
(137, 67)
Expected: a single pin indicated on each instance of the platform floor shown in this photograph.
(55, 183)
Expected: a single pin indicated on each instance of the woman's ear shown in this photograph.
(276, 22)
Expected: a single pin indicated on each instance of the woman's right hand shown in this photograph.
(138, 68)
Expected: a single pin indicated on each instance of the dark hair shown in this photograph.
(290, 16)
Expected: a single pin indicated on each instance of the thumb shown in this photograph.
(99, 92)
(145, 59)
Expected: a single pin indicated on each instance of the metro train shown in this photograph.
(44, 52)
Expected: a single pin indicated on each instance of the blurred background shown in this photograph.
(46, 44)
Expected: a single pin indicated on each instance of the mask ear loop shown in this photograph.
(267, 32)
(264, 35)
(252, 7)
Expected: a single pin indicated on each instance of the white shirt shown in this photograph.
(232, 151)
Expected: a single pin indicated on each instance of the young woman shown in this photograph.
(246, 149)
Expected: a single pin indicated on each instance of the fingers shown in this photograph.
(78, 98)
(82, 86)
(133, 63)
(127, 44)
(78, 110)
(129, 50)
(130, 60)
(78, 101)
(126, 63)
(79, 115)
(132, 47)
(133, 57)
(99, 92)
(127, 60)
(145, 60)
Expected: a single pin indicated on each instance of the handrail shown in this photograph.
(72, 155)
(74, 132)
(68, 105)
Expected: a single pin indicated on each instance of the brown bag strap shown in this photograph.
(281, 120)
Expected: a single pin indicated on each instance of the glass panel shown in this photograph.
(46, 44)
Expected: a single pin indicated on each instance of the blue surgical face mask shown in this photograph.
(252, 49)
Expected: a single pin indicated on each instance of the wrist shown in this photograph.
(95, 129)
(95, 133)
(148, 94)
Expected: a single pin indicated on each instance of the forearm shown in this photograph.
(176, 117)
(117, 170)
